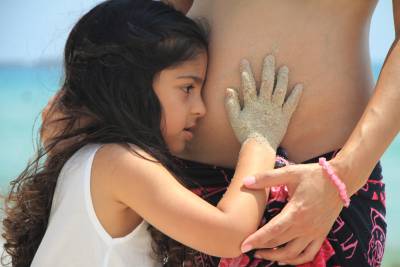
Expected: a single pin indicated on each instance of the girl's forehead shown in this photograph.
(198, 62)
(196, 66)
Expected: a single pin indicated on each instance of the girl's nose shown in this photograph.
(199, 109)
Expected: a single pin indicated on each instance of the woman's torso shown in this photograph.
(324, 44)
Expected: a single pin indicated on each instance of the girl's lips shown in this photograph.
(188, 134)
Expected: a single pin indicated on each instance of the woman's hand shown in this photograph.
(303, 224)
(264, 115)
(180, 5)
(51, 115)
(56, 123)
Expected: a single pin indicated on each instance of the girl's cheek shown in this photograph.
(163, 124)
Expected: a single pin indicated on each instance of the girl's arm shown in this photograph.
(154, 193)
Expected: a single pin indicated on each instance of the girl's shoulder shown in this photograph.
(117, 166)
(119, 158)
(129, 176)
(111, 171)
(120, 151)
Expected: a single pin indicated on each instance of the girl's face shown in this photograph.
(179, 91)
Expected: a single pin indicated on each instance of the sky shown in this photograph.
(34, 30)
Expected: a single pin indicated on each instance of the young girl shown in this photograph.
(134, 70)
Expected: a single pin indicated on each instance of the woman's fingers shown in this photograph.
(282, 239)
(270, 178)
(279, 94)
(308, 254)
(268, 77)
(291, 251)
(277, 226)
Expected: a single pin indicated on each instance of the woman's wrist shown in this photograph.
(340, 185)
(349, 171)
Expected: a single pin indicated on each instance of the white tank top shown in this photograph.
(74, 236)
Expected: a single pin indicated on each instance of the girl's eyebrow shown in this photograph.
(197, 79)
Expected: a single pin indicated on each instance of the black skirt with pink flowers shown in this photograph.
(357, 237)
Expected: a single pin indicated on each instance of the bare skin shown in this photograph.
(324, 43)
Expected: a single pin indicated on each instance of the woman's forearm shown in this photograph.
(376, 129)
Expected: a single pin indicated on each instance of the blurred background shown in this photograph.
(32, 37)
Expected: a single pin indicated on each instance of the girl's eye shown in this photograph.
(187, 89)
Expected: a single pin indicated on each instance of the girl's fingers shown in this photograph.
(232, 104)
(308, 254)
(248, 83)
(293, 100)
(268, 77)
(279, 94)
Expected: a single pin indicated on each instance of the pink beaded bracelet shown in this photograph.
(336, 180)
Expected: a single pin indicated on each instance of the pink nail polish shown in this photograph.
(249, 180)
(246, 248)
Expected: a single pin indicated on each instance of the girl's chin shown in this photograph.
(177, 148)
(179, 143)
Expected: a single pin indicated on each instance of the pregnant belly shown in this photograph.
(328, 55)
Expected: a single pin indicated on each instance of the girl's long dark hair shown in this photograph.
(111, 58)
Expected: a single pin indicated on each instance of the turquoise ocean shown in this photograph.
(24, 91)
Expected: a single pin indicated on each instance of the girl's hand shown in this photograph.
(314, 204)
(264, 116)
